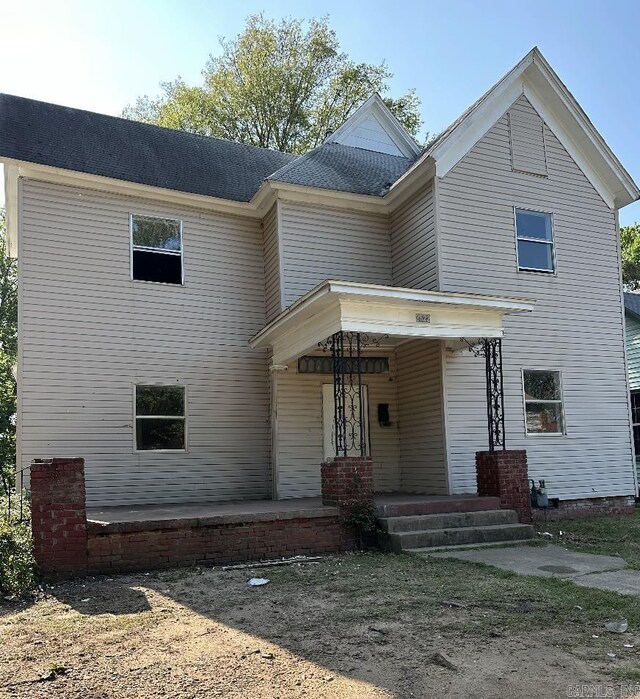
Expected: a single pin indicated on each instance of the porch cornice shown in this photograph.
(396, 312)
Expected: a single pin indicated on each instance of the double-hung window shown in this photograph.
(635, 418)
(160, 418)
(534, 240)
(156, 254)
(543, 406)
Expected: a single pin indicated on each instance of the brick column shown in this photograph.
(59, 516)
(347, 478)
(504, 474)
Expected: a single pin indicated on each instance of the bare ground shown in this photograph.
(364, 626)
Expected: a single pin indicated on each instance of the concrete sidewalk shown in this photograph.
(586, 569)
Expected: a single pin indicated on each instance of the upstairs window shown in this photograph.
(534, 238)
(544, 412)
(156, 249)
(160, 418)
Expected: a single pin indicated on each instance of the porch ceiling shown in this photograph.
(399, 313)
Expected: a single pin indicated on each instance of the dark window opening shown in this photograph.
(157, 267)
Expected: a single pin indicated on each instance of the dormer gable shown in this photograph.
(373, 127)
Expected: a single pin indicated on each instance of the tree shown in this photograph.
(276, 85)
(630, 244)
(8, 357)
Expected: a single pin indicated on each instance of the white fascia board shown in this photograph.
(375, 106)
(12, 208)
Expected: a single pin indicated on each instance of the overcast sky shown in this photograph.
(101, 54)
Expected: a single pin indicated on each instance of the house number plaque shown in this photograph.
(423, 318)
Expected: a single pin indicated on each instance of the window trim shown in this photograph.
(632, 393)
(137, 417)
(552, 242)
(561, 401)
(144, 248)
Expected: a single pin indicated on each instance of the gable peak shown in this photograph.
(373, 127)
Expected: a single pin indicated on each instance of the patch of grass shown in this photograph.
(413, 588)
(617, 535)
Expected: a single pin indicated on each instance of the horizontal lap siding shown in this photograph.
(422, 453)
(271, 264)
(633, 351)
(413, 242)
(300, 432)
(576, 325)
(89, 334)
(321, 243)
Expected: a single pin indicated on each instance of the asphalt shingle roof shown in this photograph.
(632, 301)
(97, 144)
(74, 139)
(344, 169)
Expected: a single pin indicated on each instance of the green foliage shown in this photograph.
(17, 564)
(630, 244)
(8, 357)
(279, 85)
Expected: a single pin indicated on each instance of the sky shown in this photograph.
(101, 54)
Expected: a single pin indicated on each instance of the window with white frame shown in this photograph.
(544, 413)
(534, 240)
(160, 418)
(156, 254)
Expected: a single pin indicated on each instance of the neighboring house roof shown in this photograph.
(96, 144)
(534, 78)
(632, 302)
(344, 169)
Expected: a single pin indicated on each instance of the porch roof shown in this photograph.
(394, 312)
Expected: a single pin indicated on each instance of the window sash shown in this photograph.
(133, 217)
(539, 241)
(559, 402)
(169, 418)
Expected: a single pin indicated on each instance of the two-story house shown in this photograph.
(204, 321)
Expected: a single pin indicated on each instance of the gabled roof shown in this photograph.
(373, 127)
(632, 302)
(87, 142)
(534, 78)
(344, 169)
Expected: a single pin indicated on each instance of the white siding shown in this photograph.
(422, 453)
(89, 334)
(320, 243)
(576, 326)
(272, 285)
(369, 134)
(527, 138)
(300, 436)
(632, 326)
(413, 242)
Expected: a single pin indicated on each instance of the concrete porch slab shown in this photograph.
(545, 561)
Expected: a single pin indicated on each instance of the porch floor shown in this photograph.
(155, 516)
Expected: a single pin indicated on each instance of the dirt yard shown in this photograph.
(358, 626)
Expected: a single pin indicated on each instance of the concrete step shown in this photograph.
(448, 520)
(425, 552)
(401, 541)
(436, 505)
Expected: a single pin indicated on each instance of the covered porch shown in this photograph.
(358, 370)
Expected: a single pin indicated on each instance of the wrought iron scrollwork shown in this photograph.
(346, 349)
(491, 350)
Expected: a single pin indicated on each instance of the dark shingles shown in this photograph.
(74, 139)
(344, 169)
(632, 302)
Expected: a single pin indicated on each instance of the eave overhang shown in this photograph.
(383, 311)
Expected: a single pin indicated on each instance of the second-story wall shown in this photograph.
(319, 243)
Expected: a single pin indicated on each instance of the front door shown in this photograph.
(329, 425)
